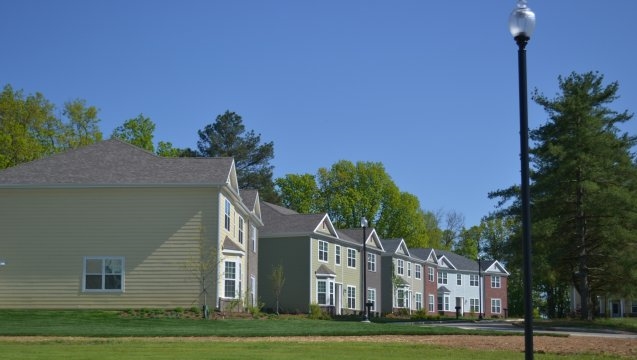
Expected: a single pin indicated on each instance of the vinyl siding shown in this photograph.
(46, 233)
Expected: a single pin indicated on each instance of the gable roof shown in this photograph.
(424, 254)
(456, 261)
(285, 222)
(251, 200)
(395, 246)
(356, 235)
(116, 163)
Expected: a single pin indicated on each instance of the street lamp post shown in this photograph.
(479, 287)
(521, 25)
(364, 266)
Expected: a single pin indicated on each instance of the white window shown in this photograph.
(351, 297)
(443, 303)
(337, 255)
(240, 230)
(442, 277)
(401, 298)
(474, 306)
(459, 279)
(226, 216)
(230, 280)
(371, 297)
(322, 250)
(408, 269)
(418, 271)
(351, 258)
(400, 267)
(253, 237)
(103, 274)
(253, 290)
(431, 273)
(418, 301)
(371, 262)
(325, 292)
(430, 304)
(495, 281)
(496, 306)
(473, 280)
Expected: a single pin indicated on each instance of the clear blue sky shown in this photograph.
(428, 88)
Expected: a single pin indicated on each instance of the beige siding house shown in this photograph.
(113, 226)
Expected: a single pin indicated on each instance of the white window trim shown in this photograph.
(236, 279)
(253, 237)
(499, 306)
(240, 231)
(338, 255)
(400, 267)
(352, 298)
(459, 279)
(371, 298)
(227, 214)
(371, 265)
(431, 274)
(496, 281)
(431, 304)
(408, 269)
(353, 258)
(418, 272)
(326, 251)
(102, 258)
(418, 302)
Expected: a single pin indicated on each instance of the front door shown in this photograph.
(338, 298)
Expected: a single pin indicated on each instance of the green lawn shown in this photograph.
(111, 324)
(102, 337)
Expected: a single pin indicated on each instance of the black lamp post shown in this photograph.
(521, 25)
(364, 266)
(479, 286)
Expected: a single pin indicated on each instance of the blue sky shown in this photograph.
(428, 88)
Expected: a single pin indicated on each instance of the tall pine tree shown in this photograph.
(584, 193)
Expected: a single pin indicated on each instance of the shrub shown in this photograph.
(316, 313)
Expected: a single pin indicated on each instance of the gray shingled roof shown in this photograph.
(113, 162)
(390, 245)
(421, 253)
(249, 197)
(460, 262)
(278, 220)
(354, 235)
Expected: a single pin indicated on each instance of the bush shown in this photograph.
(317, 313)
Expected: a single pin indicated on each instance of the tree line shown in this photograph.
(583, 188)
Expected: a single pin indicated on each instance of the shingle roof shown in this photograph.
(459, 261)
(113, 162)
(354, 235)
(421, 253)
(249, 197)
(279, 220)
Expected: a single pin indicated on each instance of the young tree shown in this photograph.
(228, 137)
(278, 280)
(138, 131)
(203, 265)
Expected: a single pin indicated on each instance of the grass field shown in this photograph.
(99, 335)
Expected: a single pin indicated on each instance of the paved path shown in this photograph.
(510, 327)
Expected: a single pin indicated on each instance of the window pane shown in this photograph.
(93, 266)
(113, 282)
(112, 266)
(94, 282)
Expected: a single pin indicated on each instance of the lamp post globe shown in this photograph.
(522, 21)
(521, 26)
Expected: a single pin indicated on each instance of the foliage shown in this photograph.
(203, 264)
(584, 196)
(228, 137)
(138, 131)
(348, 191)
(29, 129)
(317, 313)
